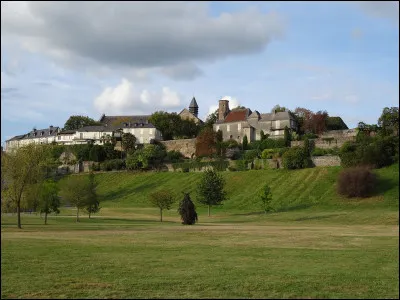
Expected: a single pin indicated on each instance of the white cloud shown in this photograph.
(125, 99)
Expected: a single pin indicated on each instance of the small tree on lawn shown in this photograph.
(187, 210)
(162, 199)
(245, 142)
(93, 203)
(75, 191)
(49, 200)
(266, 198)
(211, 189)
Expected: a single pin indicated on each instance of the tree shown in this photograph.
(19, 169)
(286, 136)
(162, 199)
(211, 119)
(262, 135)
(211, 189)
(48, 198)
(97, 153)
(219, 143)
(389, 120)
(266, 198)
(205, 142)
(128, 142)
(166, 123)
(278, 108)
(75, 190)
(76, 122)
(92, 203)
(187, 210)
(245, 142)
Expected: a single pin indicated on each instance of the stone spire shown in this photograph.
(193, 107)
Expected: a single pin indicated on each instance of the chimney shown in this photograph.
(223, 109)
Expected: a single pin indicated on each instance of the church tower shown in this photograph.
(193, 107)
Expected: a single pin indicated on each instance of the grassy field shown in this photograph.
(316, 245)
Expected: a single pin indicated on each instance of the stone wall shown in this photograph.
(330, 139)
(187, 146)
(326, 161)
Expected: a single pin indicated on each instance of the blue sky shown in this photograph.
(59, 60)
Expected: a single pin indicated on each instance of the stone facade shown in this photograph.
(326, 161)
(186, 146)
(330, 139)
(237, 123)
(186, 114)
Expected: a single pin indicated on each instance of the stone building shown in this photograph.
(237, 123)
(191, 113)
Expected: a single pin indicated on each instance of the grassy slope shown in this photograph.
(312, 189)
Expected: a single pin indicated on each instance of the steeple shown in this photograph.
(193, 107)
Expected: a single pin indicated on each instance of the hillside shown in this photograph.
(292, 190)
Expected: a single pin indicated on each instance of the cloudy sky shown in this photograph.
(64, 58)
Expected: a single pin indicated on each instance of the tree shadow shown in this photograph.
(294, 207)
(316, 217)
(383, 185)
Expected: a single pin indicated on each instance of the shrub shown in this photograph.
(174, 156)
(295, 158)
(356, 182)
(318, 152)
(268, 153)
(251, 154)
(241, 164)
(309, 136)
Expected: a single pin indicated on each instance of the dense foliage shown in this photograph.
(76, 122)
(295, 158)
(356, 182)
(187, 210)
(206, 143)
(149, 157)
(172, 126)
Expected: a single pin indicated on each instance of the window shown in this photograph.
(239, 126)
(59, 137)
(81, 135)
(228, 128)
(217, 128)
(230, 136)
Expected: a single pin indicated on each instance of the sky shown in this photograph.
(128, 58)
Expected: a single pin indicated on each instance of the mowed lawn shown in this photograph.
(315, 245)
(129, 254)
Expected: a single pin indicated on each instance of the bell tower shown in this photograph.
(193, 107)
(223, 109)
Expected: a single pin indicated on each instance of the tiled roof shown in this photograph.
(237, 115)
(67, 132)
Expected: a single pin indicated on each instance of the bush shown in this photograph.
(251, 154)
(295, 158)
(318, 152)
(268, 153)
(309, 136)
(356, 182)
(174, 156)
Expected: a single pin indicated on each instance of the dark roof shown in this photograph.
(283, 115)
(100, 128)
(67, 132)
(193, 103)
(109, 120)
(237, 115)
(38, 133)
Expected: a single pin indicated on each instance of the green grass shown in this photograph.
(316, 245)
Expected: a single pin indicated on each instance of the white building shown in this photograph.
(41, 136)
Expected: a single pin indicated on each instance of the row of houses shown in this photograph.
(234, 124)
